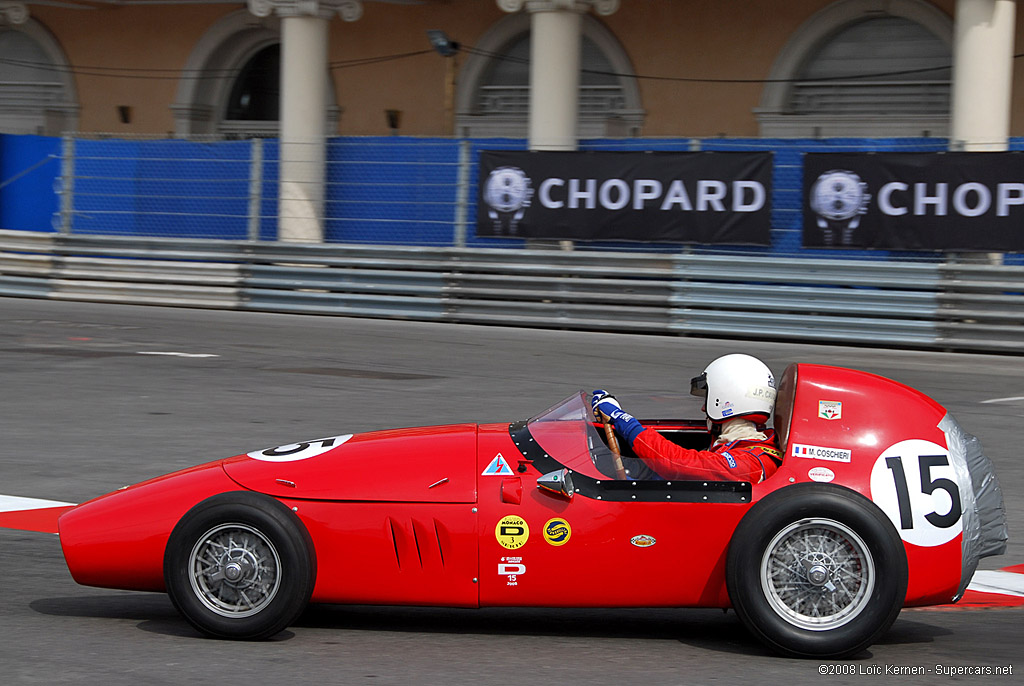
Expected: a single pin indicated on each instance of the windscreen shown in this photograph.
(567, 433)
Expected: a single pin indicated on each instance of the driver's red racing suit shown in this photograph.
(742, 460)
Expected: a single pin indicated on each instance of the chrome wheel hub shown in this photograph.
(817, 575)
(233, 571)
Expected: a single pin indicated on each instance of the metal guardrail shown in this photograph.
(970, 307)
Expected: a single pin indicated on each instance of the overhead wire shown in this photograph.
(160, 74)
(713, 80)
(163, 74)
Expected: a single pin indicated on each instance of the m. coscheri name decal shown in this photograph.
(818, 452)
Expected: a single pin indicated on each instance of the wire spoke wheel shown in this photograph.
(817, 574)
(816, 570)
(240, 565)
(235, 570)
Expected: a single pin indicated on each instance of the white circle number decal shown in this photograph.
(915, 484)
(299, 451)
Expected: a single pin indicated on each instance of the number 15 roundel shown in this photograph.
(915, 484)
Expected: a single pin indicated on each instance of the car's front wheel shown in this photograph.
(239, 565)
(816, 570)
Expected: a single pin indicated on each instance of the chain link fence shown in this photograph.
(392, 190)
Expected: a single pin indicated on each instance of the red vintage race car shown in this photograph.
(882, 502)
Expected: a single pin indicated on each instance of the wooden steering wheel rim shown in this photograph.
(613, 445)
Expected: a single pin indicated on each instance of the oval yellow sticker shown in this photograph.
(512, 532)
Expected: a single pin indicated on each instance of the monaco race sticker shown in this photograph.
(294, 452)
(818, 452)
(915, 484)
(512, 568)
(512, 532)
(830, 409)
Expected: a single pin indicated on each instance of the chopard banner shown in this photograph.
(914, 201)
(685, 197)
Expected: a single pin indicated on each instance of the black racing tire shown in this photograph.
(816, 571)
(240, 565)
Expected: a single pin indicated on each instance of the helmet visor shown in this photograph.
(699, 386)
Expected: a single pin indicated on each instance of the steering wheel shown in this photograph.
(613, 445)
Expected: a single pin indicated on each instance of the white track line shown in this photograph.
(173, 353)
(14, 503)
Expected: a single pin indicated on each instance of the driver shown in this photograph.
(739, 396)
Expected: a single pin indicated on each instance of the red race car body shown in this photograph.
(881, 502)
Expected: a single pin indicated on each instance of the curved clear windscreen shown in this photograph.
(567, 433)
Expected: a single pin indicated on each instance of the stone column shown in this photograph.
(982, 74)
(555, 38)
(304, 78)
(982, 83)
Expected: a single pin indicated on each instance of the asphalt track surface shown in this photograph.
(88, 407)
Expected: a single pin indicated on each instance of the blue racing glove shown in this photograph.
(625, 424)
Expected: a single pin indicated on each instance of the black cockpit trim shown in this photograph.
(630, 491)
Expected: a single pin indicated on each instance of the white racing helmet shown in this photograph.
(736, 385)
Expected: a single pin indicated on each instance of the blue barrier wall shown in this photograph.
(171, 188)
(380, 190)
(29, 167)
(391, 190)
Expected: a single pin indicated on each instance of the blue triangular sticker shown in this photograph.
(497, 467)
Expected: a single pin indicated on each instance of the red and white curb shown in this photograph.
(1000, 588)
(31, 514)
(1003, 581)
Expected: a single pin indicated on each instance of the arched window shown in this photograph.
(855, 71)
(493, 96)
(36, 93)
(231, 83)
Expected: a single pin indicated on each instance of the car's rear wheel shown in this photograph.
(816, 570)
(239, 565)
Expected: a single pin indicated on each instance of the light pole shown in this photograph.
(447, 49)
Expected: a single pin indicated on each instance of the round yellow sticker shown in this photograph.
(512, 532)
(557, 531)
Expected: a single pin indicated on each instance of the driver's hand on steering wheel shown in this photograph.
(604, 403)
